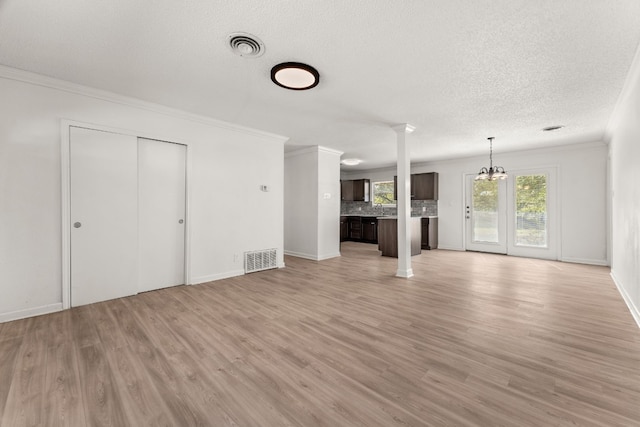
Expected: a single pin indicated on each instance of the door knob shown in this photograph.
(180, 221)
(77, 224)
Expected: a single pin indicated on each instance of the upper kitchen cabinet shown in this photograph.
(356, 190)
(424, 186)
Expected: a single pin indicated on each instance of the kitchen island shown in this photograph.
(388, 235)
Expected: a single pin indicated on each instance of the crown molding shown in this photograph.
(23, 76)
(311, 149)
(403, 128)
(330, 150)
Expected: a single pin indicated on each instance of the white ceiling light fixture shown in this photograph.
(245, 45)
(493, 172)
(295, 76)
(351, 162)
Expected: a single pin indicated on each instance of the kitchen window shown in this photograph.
(383, 193)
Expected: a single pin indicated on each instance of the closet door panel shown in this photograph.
(162, 184)
(104, 212)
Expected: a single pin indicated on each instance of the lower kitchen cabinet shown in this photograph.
(359, 229)
(370, 230)
(355, 228)
(388, 236)
(429, 233)
(344, 228)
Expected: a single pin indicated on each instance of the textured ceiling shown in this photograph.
(459, 71)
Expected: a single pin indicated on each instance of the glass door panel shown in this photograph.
(531, 210)
(486, 215)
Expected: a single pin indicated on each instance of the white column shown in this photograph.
(404, 201)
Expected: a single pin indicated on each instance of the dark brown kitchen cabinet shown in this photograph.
(424, 186)
(388, 236)
(356, 190)
(344, 228)
(355, 228)
(370, 230)
(429, 233)
(346, 190)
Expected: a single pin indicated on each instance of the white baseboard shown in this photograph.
(602, 262)
(312, 257)
(300, 255)
(450, 248)
(30, 312)
(214, 277)
(328, 256)
(625, 296)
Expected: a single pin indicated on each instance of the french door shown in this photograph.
(516, 216)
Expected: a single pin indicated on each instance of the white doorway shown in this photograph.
(127, 215)
(516, 216)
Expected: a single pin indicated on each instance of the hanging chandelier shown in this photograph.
(494, 172)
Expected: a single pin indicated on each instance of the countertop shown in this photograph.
(388, 216)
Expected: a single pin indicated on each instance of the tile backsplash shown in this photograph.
(367, 208)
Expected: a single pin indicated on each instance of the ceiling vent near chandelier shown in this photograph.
(246, 45)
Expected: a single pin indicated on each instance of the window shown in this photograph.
(531, 210)
(383, 193)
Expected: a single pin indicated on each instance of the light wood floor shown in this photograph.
(472, 339)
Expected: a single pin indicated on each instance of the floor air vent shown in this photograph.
(259, 260)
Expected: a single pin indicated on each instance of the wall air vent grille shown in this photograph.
(260, 260)
(246, 45)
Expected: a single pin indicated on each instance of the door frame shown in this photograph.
(65, 182)
(553, 204)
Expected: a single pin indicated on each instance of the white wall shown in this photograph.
(228, 213)
(328, 203)
(301, 203)
(312, 227)
(625, 191)
(582, 175)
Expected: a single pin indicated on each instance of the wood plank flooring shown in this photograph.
(472, 340)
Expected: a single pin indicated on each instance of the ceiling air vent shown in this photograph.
(246, 45)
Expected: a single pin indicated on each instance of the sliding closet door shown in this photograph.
(104, 229)
(161, 172)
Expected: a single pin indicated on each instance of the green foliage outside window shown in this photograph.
(531, 193)
(383, 193)
(485, 196)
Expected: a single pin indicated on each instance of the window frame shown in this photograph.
(374, 185)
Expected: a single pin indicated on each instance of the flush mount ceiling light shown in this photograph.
(494, 172)
(245, 45)
(552, 128)
(351, 162)
(295, 76)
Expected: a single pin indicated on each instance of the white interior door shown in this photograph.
(486, 215)
(162, 201)
(104, 203)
